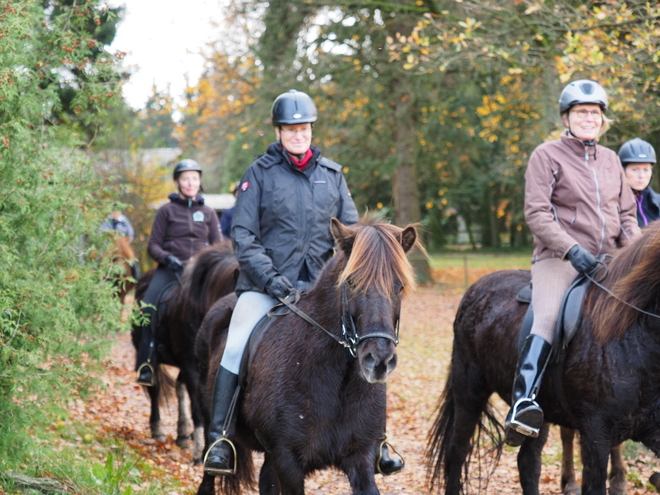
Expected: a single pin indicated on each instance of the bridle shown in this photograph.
(350, 338)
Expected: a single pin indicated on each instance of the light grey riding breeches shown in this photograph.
(250, 308)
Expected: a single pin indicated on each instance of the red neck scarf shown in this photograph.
(301, 164)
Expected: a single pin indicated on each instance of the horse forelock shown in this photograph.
(378, 260)
(634, 277)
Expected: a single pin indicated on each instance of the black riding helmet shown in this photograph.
(293, 107)
(185, 166)
(636, 151)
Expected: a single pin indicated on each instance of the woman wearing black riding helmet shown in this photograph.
(181, 228)
(638, 157)
(281, 234)
(578, 206)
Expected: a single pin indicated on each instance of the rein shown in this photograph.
(351, 337)
(602, 287)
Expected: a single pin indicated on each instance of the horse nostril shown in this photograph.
(392, 362)
(369, 361)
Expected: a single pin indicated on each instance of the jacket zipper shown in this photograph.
(602, 217)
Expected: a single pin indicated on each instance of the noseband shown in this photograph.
(351, 338)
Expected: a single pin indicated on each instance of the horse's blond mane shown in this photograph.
(377, 259)
(634, 277)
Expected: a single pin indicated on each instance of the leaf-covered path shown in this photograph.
(121, 410)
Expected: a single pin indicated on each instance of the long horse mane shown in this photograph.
(377, 259)
(634, 277)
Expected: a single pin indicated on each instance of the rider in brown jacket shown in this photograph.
(578, 206)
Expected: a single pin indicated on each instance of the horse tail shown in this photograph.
(451, 442)
(243, 479)
(167, 386)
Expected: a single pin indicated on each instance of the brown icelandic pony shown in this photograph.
(210, 275)
(123, 258)
(308, 403)
(609, 378)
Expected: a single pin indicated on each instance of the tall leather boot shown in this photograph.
(220, 458)
(525, 417)
(385, 465)
(146, 355)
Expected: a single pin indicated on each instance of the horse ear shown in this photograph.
(408, 238)
(344, 236)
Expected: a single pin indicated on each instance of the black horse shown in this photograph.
(308, 402)
(609, 379)
(209, 276)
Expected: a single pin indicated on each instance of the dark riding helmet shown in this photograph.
(636, 151)
(185, 166)
(581, 92)
(293, 107)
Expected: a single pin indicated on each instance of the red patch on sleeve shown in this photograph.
(245, 185)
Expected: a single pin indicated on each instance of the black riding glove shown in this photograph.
(173, 263)
(581, 259)
(279, 287)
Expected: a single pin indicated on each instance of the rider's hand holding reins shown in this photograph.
(173, 263)
(581, 259)
(278, 287)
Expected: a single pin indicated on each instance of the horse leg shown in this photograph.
(617, 472)
(268, 482)
(184, 424)
(192, 381)
(594, 462)
(289, 473)
(207, 486)
(529, 461)
(154, 420)
(569, 485)
(359, 468)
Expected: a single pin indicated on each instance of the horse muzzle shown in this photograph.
(377, 357)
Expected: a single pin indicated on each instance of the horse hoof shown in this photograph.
(573, 489)
(655, 480)
(184, 442)
(159, 437)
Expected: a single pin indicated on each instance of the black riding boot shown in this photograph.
(526, 417)
(220, 458)
(385, 465)
(146, 355)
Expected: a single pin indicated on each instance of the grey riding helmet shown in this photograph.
(293, 107)
(582, 91)
(636, 151)
(185, 166)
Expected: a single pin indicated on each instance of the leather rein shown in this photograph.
(350, 338)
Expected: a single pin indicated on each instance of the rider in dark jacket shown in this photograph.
(282, 238)
(181, 228)
(638, 157)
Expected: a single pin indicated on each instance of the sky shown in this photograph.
(163, 41)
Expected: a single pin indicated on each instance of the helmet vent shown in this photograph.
(587, 88)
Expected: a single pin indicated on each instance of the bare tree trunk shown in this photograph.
(404, 187)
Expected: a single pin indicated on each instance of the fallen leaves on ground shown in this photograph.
(121, 410)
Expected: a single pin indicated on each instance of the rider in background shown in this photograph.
(227, 217)
(281, 235)
(638, 157)
(181, 228)
(118, 222)
(578, 206)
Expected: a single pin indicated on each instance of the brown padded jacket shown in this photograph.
(577, 194)
(182, 228)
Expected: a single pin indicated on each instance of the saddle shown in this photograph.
(570, 313)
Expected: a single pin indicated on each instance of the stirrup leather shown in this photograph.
(220, 472)
(380, 454)
(153, 375)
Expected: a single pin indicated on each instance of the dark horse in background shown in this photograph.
(308, 403)
(122, 275)
(609, 379)
(210, 275)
